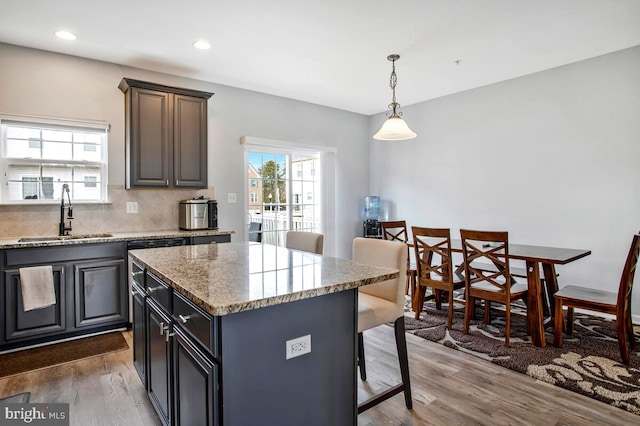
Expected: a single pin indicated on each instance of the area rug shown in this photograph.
(60, 353)
(588, 362)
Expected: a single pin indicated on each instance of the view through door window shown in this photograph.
(283, 193)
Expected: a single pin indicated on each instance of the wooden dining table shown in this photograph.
(536, 256)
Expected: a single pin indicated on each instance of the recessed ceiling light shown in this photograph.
(66, 35)
(201, 44)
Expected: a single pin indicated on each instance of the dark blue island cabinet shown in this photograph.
(246, 334)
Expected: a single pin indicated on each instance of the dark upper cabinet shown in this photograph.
(166, 135)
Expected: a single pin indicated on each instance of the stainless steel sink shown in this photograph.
(78, 236)
(39, 239)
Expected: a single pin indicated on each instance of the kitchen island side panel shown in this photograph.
(260, 386)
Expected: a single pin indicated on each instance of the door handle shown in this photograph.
(163, 327)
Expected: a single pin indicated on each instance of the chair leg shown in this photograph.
(469, 307)
(418, 301)
(450, 318)
(558, 324)
(630, 334)
(622, 340)
(487, 312)
(407, 282)
(507, 330)
(570, 319)
(414, 282)
(436, 295)
(361, 364)
(401, 345)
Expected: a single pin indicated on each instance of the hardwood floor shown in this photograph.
(449, 387)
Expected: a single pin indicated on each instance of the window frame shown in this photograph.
(101, 128)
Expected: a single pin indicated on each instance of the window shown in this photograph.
(254, 183)
(39, 155)
(282, 203)
(282, 208)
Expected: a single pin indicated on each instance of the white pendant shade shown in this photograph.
(394, 129)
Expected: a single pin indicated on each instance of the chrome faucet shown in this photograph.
(63, 229)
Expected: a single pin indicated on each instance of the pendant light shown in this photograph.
(394, 128)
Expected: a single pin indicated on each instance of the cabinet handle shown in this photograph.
(177, 182)
(135, 274)
(167, 335)
(152, 289)
(133, 292)
(163, 328)
(184, 319)
(167, 182)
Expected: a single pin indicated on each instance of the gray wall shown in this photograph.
(551, 157)
(44, 83)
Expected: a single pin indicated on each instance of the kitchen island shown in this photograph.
(245, 333)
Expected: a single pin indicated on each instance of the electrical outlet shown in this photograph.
(232, 198)
(298, 346)
(132, 207)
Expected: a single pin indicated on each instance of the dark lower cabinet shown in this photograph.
(99, 293)
(182, 382)
(38, 322)
(139, 327)
(91, 293)
(195, 381)
(159, 361)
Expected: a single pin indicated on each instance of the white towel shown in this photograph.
(37, 287)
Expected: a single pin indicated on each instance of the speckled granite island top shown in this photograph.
(227, 278)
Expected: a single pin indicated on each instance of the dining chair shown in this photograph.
(432, 248)
(397, 231)
(497, 286)
(305, 241)
(255, 231)
(618, 304)
(381, 303)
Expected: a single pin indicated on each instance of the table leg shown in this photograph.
(534, 305)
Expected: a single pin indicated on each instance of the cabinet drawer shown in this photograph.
(137, 274)
(196, 322)
(159, 291)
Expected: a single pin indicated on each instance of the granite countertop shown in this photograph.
(46, 241)
(227, 278)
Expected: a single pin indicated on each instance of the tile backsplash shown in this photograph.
(157, 210)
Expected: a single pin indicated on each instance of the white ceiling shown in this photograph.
(331, 52)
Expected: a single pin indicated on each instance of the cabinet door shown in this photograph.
(195, 380)
(101, 292)
(139, 327)
(159, 361)
(47, 320)
(150, 132)
(190, 142)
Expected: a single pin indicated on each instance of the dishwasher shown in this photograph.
(144, 244)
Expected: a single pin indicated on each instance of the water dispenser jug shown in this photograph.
(371, 207)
